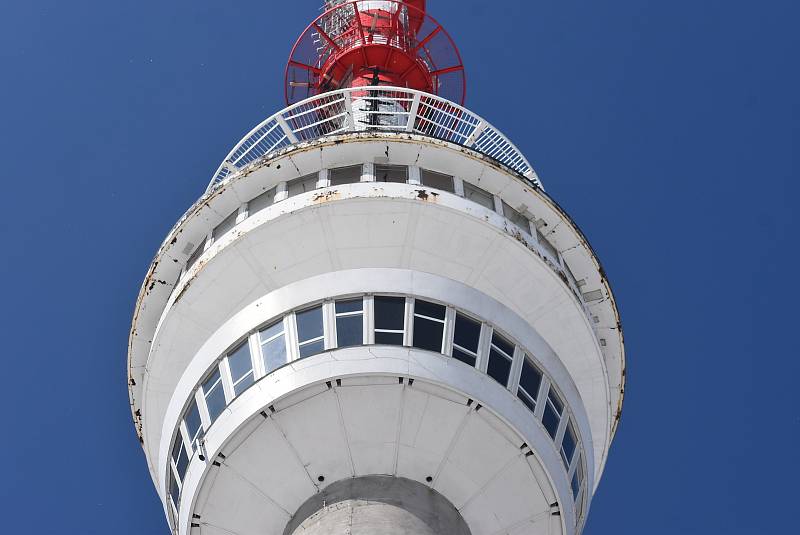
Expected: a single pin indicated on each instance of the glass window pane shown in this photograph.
(389, 313)
(391, 173)
(467, 334)
(550, 420)
(436, 180)
(463, 357)
(576, 485)
(428, 334)
(349, 305)
(174, 491)
(215, 395)
(312, 348)
(526, 399)
(240, 362)
(262, 201)
(243, 383)
(499, 367)
(179, 455)
(517, 218)
(302, 184)
(344, 175)
(274, 353)
(349, 330)
(196, 254)
(502, 344)
(192, 420)
(553, 398)
(389, 338)
(431, 310)
(530, 379)
(478, 195)
(309, 324)
(227, 224)
(568, 445)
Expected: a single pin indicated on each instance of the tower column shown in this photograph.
(377, 505)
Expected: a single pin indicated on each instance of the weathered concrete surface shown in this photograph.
(377, 505)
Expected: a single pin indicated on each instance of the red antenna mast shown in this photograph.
(357, 43)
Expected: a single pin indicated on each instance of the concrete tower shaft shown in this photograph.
(376, 317)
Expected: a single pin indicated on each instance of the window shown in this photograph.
(302, 185)
(227, 224)
(174, 491)
(547, 246)
(179, 456)
(428, 325)
(517, 218)
(391, 173)
(389, 320)
(529, 381)
(196, 254)
(241, 366)
(193, 424)
(349, 322)
(552, 413)
(273, 346)
(436, 180)
(465, 339)
(309, 331)
(344, 175)
(477, 195)
(568, 445)
(577, 479)
(501, 353)
(214, 395)
(262, 201)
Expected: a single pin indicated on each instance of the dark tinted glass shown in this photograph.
(527, 400)
(349, 305)
(499, 367)
(432, 310)
(239, 362)
(576, 485)
(389, 313)
(312, 348)
(550, 420)
(389, 338)
(503, 344)
(192, 420)
(215, 401)
(391, 173)
(344, 175)
(568, 446)
(174, 491)
(467, 334)
(350, 330)
(428, 334)
(309, 324)
(463, 357)
(530, 378)
(179, 456)
(436, 180)
(555, 400)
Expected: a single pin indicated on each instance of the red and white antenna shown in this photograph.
(357, 43)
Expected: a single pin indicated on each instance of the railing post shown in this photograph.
(412, 113)
(285, 127)
(473, 137)
(350, 121)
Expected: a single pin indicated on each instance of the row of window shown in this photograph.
(374, 319)
(380, 173)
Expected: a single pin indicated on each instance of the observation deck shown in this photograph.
(376, 109)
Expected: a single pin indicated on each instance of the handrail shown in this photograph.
(376, 108)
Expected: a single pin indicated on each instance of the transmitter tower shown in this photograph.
(375, 321)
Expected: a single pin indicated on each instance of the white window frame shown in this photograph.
(443, 322)
(314, 340)
(334, 330)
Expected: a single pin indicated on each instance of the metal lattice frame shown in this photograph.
(362, 109)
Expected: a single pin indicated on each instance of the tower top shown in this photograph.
(359, 43)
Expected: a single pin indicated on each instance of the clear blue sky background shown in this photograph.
(668, 129)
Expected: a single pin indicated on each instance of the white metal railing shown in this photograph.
(360, 109)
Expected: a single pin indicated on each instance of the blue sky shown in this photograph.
(668, 130)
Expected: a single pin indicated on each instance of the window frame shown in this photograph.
(304, 343)
(442, 322)
(350, 314)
